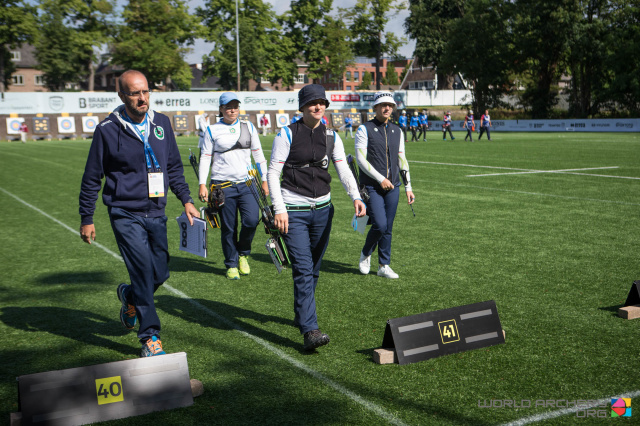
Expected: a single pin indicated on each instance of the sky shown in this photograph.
(395, 25)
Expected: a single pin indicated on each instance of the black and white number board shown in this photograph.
(444, 332)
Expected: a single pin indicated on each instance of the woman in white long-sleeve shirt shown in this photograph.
(231, 143)
(381, 159)
(302, 202)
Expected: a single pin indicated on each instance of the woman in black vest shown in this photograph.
(302, 202)
(381, 159)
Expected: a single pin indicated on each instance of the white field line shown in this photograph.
(376, 409)
(565, 411)
(539, 194)
(469, 165)
(567, 171)
(526, 171)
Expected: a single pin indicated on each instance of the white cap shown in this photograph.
(383, 97)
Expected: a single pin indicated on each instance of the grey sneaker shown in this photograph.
(365, 264)
(314, 339)
(386, 272)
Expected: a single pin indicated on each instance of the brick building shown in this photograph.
(354, 74)
(26, 78)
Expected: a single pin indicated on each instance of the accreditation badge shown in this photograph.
(156, 185)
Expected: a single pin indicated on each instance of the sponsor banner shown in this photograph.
(569, 125)
(102, 102)
(594, 125)
(13, 125)
(282, 120)
(66, 125)
(89, 123)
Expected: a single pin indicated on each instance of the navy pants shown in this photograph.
(484, 129)
(307, 240)
(444, 132)
(381, 209)
(404, 130)
(143, 245)
(469, 134)
(237, 198)
(423, 132)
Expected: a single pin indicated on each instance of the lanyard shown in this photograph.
(148, 152)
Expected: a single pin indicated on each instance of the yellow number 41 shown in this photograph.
(109, 390)
(449, 331)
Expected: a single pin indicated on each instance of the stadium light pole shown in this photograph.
(238, 45)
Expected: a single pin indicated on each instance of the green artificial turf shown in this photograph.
(558, 253)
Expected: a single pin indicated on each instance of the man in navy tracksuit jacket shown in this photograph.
(137, 177)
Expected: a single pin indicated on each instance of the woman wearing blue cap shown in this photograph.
(381, 159)
(302, 202)
(231, 142)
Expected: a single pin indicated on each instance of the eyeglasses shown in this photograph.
(228, 107)
(144, 93)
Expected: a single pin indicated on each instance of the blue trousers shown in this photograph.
(484, 129)
(444, 132)
(143, 245)
(237, 198)
(306, 241)
(348, 130)
(469, 134)
(381, 209)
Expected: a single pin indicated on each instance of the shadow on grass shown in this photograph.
(613, 309)
(328, 266)
(223, 316)
(82, 326)
(195, 264)
(75, 278)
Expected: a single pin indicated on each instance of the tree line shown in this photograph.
(517, 48)
(155, 35)
(524, 47)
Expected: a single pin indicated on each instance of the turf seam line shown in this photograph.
(530, 193)
(525, 171)
(553, 414)
(469, 165)
(559, 171)
(313, 373)
(562, 172)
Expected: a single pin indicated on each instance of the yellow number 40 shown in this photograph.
(109, 390)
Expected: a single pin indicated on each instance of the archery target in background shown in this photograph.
(41, 125)
(180, 123)
(66, 125)
(282, 120)
(13, 125)
(89, 123)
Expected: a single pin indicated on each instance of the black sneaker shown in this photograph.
(314, 339)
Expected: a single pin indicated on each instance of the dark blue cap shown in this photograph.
(309, 93)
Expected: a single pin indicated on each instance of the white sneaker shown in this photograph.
(365, 264)
(387, 272)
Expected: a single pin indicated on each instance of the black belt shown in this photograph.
(309, 207)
